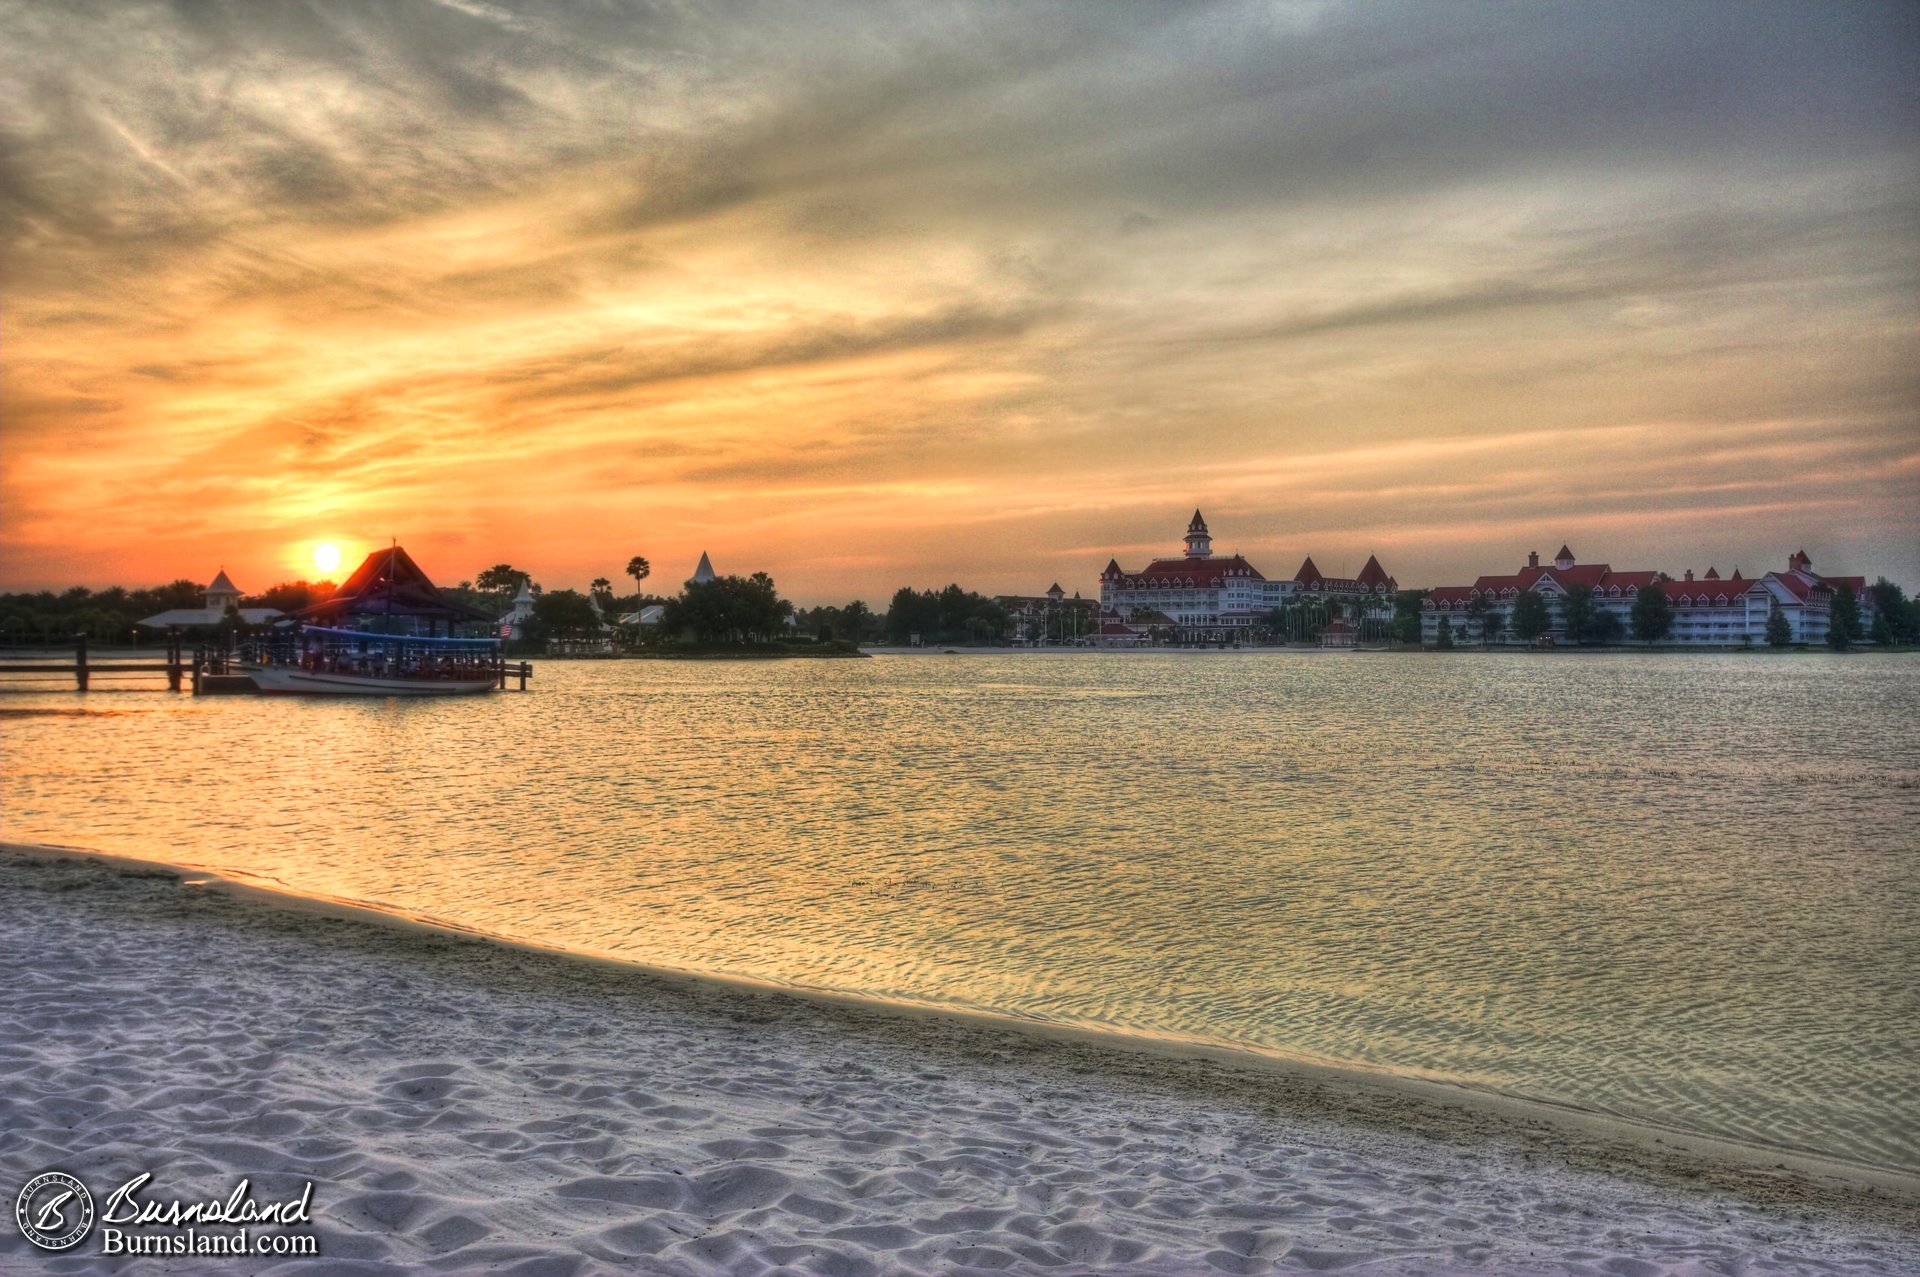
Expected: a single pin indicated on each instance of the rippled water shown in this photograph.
(1684, 889)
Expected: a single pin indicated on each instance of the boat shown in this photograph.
(387, 631)
(332, 662)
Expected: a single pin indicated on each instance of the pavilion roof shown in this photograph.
(389, 582)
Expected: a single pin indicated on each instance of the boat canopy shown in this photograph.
(408, 639)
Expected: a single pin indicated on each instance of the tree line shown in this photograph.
(749, 609)
(1582, 620)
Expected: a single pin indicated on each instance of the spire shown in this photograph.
(1308, 573)
(703, 573)
(1564, 559)
(1373, 575)
(223, 586)
(1199, 542)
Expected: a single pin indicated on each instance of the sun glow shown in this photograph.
(326, 557)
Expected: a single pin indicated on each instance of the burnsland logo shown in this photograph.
(55, 1212)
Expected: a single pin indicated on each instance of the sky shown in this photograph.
(878, 294)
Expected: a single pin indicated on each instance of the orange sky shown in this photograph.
(877, 296)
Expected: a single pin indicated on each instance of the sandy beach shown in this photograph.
(462, 1105)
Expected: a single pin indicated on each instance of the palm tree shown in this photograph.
(639, 569)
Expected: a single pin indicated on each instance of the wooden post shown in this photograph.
(173, 660)
(80, 660)
(197, 664)
(523, 676)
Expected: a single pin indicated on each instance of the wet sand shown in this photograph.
(462, 1104)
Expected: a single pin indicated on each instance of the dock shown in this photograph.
(207, 671)
(176, 666)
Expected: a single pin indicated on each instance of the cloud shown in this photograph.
(759, 279)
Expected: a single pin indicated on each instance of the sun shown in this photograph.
(326, 557)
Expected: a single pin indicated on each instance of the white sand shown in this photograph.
(462, 1105)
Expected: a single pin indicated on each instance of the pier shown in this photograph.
(83, 668)
(206, 670)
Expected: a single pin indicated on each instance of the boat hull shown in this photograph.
(281, 680)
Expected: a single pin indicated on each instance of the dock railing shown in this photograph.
(84, 665)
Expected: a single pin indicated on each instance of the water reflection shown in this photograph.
(1681, 889)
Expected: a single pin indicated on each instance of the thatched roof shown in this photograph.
(390, 583)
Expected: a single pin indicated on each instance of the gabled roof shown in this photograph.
(1565, 553)
(1112, 568)
(1705, 592)
(223, 584)
(1308, 572)
(390, 583)
(208, 616)
(1200, 571)
(1373, 574)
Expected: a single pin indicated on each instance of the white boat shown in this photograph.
(292, 680)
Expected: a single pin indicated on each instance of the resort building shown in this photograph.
(221, 595)
(1210, 598)
(1052, 617)
(521, 612)
(1711, 611)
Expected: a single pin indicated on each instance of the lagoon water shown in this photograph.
(1683, 889)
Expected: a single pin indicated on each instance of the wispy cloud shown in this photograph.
(865, 294)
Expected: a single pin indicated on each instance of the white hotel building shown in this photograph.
(1709, 612)
(1214, 598)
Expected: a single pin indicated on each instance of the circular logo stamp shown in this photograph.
(54, 1211)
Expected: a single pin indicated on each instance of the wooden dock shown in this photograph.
(176, 666)
(206, 671)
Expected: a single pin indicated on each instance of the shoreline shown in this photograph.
(1398, 1122)
(1662, 1145)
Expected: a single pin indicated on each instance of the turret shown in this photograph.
(1199, 542)
(223, 593)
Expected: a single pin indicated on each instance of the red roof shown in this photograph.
(1801, 585)
(1308, 572)
(1373, 574)
(1591, 574)
(1199, 571)
(1706, 592)
(1629, 582)
(1449, 595)
(1565, 553)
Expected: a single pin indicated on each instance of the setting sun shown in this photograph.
(326, 557)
